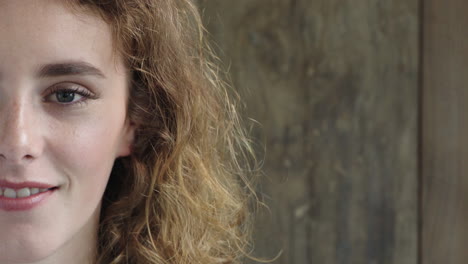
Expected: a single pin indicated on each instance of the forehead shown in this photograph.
(40, 31)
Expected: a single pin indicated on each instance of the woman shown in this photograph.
(118, 143)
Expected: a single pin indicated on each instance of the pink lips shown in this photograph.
(25, 203)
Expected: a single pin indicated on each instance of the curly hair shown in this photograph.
(183, 194)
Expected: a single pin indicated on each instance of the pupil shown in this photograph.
(65, 97)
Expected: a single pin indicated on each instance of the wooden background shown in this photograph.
(444, 229)
(362, 106)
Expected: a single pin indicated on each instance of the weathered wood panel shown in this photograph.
(334, 85)
(445, 130)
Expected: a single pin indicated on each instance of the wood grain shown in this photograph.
(334, 85)
(445, 130)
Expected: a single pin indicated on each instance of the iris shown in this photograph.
(65, 96)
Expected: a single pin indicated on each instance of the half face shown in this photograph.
(63, 95)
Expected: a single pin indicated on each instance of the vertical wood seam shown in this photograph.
(419, 140)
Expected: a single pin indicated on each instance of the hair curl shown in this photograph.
(182, 196)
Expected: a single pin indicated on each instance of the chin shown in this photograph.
(55, 244)
(26, 251)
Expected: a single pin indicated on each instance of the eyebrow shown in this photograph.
(68, 69)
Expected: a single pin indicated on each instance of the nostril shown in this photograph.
(28, 157)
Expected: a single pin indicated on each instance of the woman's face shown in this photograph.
(63, 97)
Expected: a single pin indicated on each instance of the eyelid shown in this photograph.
(70, 87)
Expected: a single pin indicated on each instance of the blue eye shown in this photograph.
(65, 96)
(70, 95)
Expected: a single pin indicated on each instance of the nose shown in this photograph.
(19, 142)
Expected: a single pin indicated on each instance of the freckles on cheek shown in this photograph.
(88, 151)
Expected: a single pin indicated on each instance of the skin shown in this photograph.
(72, 146)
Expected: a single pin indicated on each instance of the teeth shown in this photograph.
(25, 192)
(9, 193)
(21, 193)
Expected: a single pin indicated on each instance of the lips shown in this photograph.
(23, 196)
(21, 193)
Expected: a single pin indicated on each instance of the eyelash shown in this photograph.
(75, 90)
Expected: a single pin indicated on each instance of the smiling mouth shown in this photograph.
(23, 192)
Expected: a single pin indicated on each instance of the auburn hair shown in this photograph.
(183, 194)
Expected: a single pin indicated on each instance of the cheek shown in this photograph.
(87, 152)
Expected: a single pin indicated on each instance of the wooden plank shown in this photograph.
(445, 130)
(334, 85)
